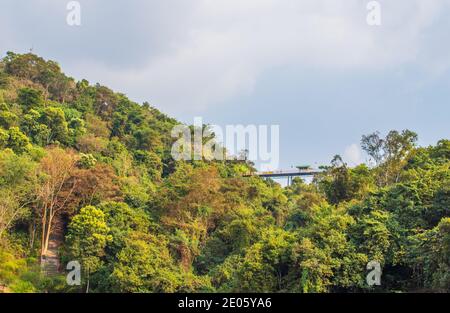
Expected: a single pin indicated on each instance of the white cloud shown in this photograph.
(353, 155)
(225, 46)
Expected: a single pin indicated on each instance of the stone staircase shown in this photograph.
(50, 263)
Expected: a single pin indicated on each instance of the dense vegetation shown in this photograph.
(87, 163)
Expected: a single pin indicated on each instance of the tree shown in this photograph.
(340, 183)
(373, 144)
(326, 256)
(16, 184)
(4, 136)
(8, 119)
(55, 121)
(93, 185)
(189, 201)
(390, 154)
(145, 265)
(335, 182)
(123, 221)
(47, 74)
(87, 238)
(18, 141)
(30, 98)
(37, 132)
(267, 265)
(55, 189)
(151, 162)
(429, 254)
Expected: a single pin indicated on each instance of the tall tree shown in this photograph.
(55, 190)
(87, 239)
(389, 153)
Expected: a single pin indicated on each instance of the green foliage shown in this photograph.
(4, 137)
(19, 274)
(87, 161)
(16, 184)
(87, 238)
(54, 119)
(144, 265)
(429, 253)
(139, 221)
(30, 98)
(122, 221)
(18, 141)
(341, 183)
(327, 256)
(8, 119)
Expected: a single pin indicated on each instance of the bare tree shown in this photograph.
(56, 189)
(390, 153)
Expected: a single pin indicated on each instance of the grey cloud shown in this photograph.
(193, 55)
(118, 34)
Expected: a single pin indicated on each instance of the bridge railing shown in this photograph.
(290, 172)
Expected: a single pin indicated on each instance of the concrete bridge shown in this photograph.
(289, 174)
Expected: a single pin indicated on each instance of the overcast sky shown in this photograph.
(314, 67)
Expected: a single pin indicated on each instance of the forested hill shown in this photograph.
(86, 175)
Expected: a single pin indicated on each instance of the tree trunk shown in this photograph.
(87, 285)
(43, 234)
(49, 230)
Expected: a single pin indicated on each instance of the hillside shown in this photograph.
(87, 175)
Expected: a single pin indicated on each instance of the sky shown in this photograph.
(316, 68)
